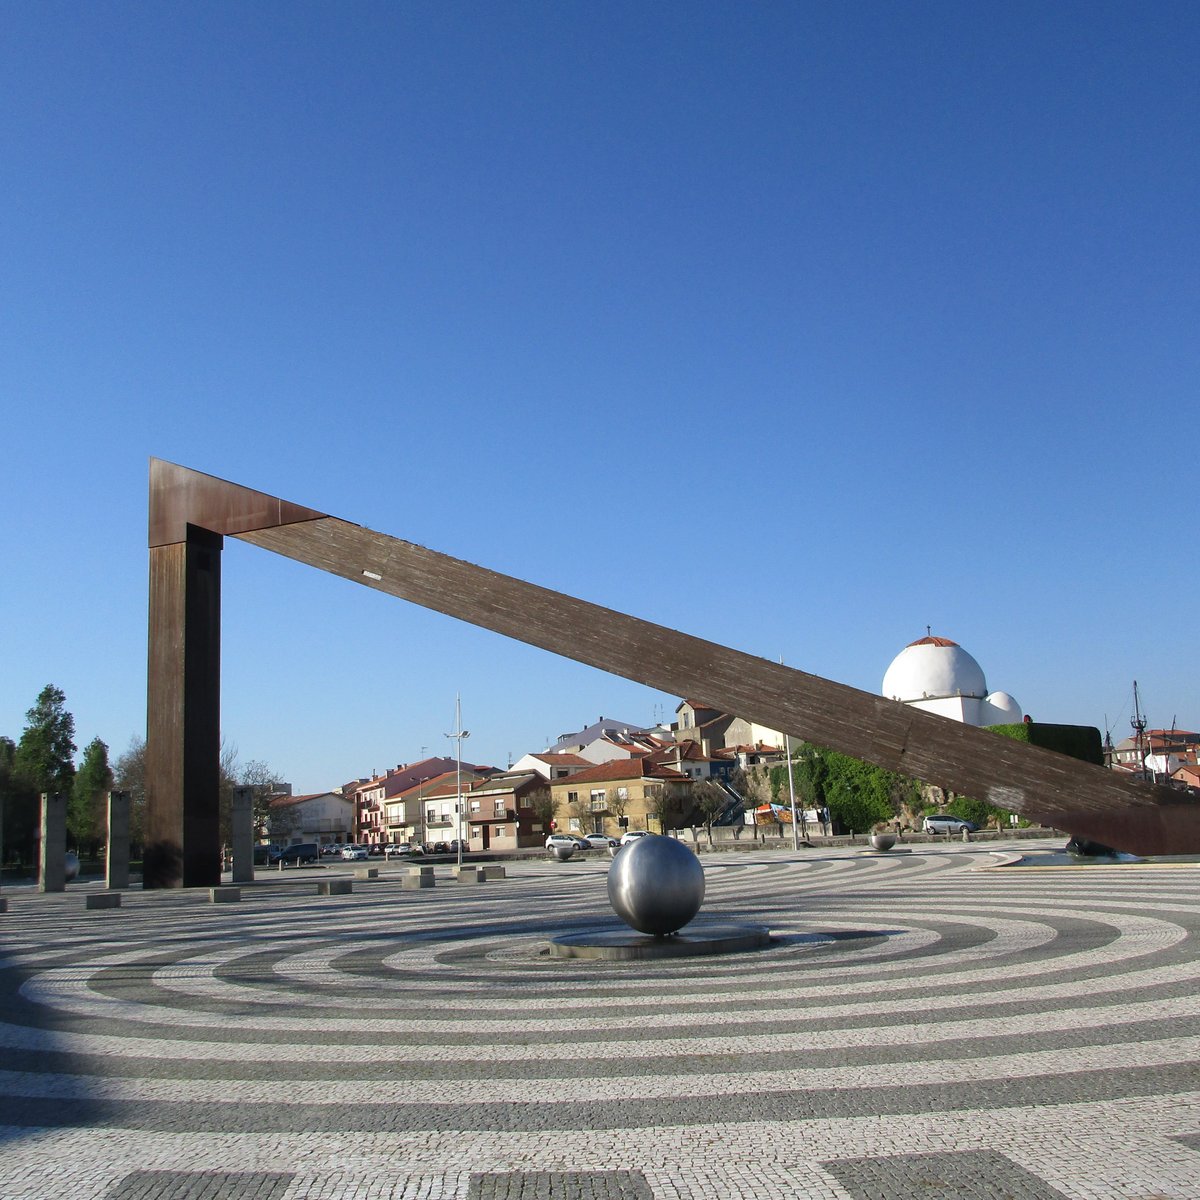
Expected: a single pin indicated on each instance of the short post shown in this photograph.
(103, 900)
(242, 833)
(116, 857)
(52, 853)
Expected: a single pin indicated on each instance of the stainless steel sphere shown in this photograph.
(562, 853)
(656, 885)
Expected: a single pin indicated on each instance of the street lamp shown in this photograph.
(458, 735)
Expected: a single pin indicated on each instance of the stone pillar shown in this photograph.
(243, 835)
(116, 858)
(52, 853)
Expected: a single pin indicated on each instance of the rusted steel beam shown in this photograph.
(1052, 788)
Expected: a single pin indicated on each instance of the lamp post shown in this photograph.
(458, 735)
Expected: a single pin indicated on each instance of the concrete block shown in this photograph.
(103, 900)
(224, 895)
(414, 880)
(469, 874)
(366, 873)
(335, 887)
(3, 904)
(421, 872)
(492, 871)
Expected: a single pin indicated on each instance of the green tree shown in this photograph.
(43, 761)
(45, 755)
(86, 815)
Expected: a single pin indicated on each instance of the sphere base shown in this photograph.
(625, 945)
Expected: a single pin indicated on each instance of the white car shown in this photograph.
(633, 835)
(354, 852)
(600, 841)
(563, 841)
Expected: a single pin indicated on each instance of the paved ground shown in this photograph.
(924, 1025)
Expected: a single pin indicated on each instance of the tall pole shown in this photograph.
(787, 746)
(787, 742)
(458, 735)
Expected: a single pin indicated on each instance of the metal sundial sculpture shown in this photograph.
(191, 513)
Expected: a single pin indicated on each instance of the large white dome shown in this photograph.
(933, 668)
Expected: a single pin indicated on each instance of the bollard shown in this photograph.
(335, 887)
(103, 900)
(224, 895)
(366, 873)
(417, 877)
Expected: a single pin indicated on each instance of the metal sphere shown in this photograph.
(656, 885)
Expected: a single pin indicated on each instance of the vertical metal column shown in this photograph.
(116, 858)
(183, 719)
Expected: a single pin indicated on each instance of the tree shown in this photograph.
(711, 800)
(130, 776)
(43, 761)
(45, 755)
(87, 819)
(545, 809)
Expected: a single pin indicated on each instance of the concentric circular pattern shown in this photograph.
(1018, 1031)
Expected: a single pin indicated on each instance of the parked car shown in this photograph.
(331, 850)
(555, 841)
(948, 824)
(352, 853)
(398, 850)
(441, 847)
(633, 835)
(377, 850)
(600, 841)
(301, 852)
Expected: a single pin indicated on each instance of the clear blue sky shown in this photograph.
(796, 326)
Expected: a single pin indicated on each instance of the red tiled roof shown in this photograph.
(621, 768)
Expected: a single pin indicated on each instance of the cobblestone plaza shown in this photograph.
(932, 1023)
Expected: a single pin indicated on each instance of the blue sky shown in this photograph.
(798, 327)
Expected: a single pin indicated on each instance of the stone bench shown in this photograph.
(417, 877)
(224, 895)
(103, 900)
(492, 871)
(467, 874)
(366, 873)
(335, 887)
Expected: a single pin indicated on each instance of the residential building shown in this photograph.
(715, 730)
(502, 811)
(552, 764)
(610, 797)
(321, 817)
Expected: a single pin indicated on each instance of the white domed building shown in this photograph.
(939, 676)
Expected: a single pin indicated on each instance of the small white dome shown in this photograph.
(1001, 709)
(933, 668)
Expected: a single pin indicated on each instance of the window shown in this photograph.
(572, 797)
(524, 802)
(476, 805)
(622, 793)
(573, 825)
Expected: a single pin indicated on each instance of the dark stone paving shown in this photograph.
(560, 1185)
(971, 1175)
(201, 1185)
(790, 1105)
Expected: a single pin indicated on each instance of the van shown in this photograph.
(302, 852)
